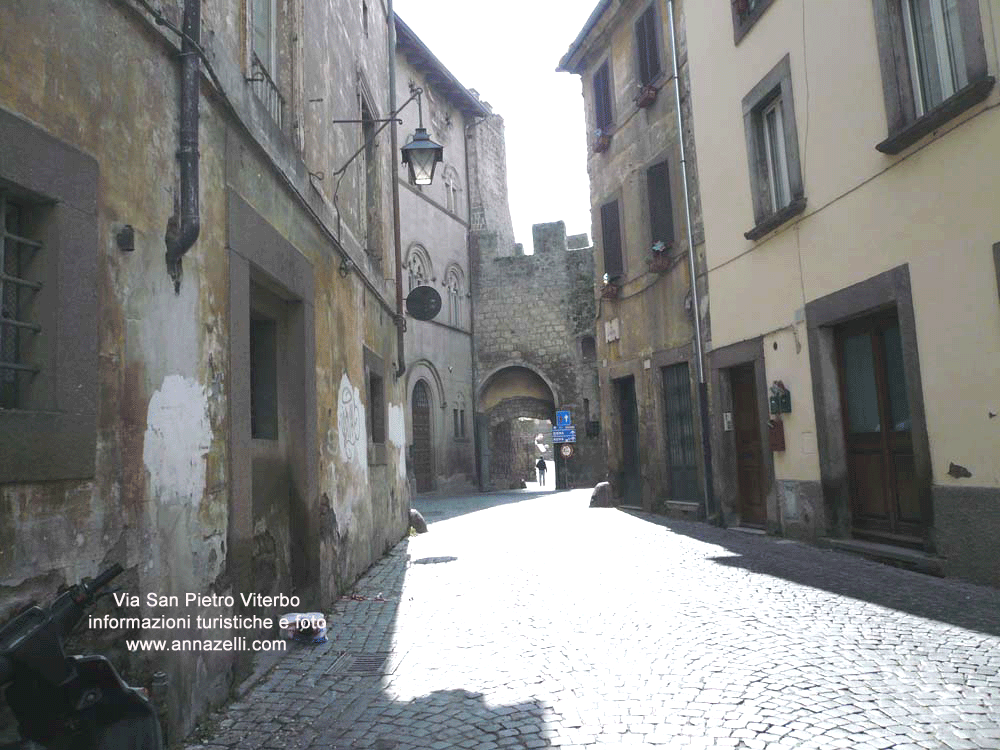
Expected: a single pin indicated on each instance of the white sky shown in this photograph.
(508, 52)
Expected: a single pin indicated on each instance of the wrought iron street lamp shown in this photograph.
(421, 155)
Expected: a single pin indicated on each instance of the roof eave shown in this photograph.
(458, 94)
(570, 62)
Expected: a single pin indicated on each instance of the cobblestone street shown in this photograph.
(539, 622)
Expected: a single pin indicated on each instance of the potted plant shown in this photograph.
(660, 260)
(601, 141)
(646, 96)
(611, 287)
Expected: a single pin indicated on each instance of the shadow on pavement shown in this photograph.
(341, 695)
(439, 508)
(444, 718)
(947, 600)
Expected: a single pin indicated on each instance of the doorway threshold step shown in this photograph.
(748, 530)
(887, 553)
(683, 507)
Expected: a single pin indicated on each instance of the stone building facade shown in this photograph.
(435, 245)
(534, 318)
(232, 422)
(646, 345)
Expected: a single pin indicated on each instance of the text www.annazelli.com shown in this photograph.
(207, 644)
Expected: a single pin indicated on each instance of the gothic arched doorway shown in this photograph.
(423, 462)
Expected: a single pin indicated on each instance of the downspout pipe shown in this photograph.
(183, 228)
(472, 305)
(396, 237)
(695, 296)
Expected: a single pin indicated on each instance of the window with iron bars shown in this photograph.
(17, 290)
(264, 57)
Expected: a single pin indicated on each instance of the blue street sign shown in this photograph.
(563, 419)
(564, 434)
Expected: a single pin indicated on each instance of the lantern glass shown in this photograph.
(421, 155)
(422, 168)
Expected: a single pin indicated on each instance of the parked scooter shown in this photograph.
(75, 702)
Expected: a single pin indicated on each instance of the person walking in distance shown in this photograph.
(540, 465)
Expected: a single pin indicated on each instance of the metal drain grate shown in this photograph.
(359, 663)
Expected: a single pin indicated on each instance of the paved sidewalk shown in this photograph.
(540, 622)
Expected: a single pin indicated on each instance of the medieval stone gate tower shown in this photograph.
(534, 329)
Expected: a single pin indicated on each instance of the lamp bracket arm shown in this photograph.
(393, 117)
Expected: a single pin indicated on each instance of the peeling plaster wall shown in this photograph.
(396, 431)
(101, 78)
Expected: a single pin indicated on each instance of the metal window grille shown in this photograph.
(267, 90)
(16, 255)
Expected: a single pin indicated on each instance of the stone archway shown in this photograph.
(508, 396)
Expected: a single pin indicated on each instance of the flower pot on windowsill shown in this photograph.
(660, 262)
(646, 96)
(610, 290)
(601, 142)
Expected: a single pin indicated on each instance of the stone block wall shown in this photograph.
(534, 311)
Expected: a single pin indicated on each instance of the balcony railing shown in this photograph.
(267, 90)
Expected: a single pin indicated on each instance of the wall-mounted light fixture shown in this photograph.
(420, 154)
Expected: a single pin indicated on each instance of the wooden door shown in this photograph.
(749, 454)
(682, 462)
(423, 455)
(628, 409)
(876, 413)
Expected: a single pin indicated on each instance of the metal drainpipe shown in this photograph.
(695, 297)
(472, 305)
(182, 231)
(396, 238)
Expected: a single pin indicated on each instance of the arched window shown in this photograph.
(454, 286)
(452, 189)
(418, 267)
(458, 414)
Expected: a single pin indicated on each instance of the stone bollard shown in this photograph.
(601, 497)
(417, 522)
